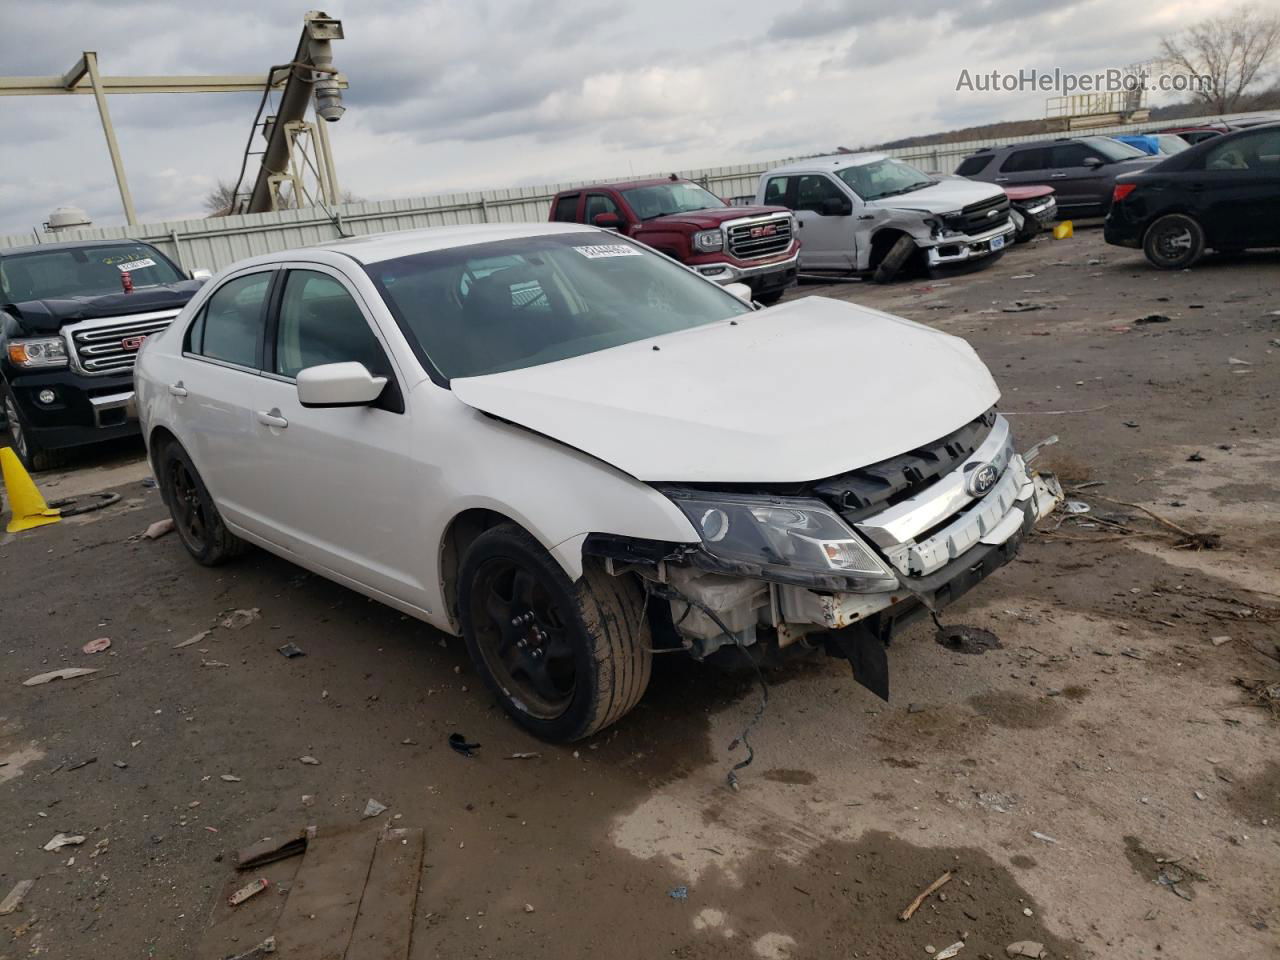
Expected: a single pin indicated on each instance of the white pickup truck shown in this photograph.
(571, 449)
(869, 213)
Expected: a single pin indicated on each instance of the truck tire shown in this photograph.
(1174, 242)
(195, 515)
(894, 260)
(564, 659)
(770, 297)
(33, 456)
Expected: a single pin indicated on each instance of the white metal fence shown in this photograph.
(216, 242)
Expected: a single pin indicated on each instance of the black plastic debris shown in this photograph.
(966, 639)
(292, 650)
(1152, 318)
(462, 746)
(1195, 458)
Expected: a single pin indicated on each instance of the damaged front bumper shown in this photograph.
(939, 543)
(956, 248)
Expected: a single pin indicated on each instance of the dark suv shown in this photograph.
(1081, 170)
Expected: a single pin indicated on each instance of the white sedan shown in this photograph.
(571, 450)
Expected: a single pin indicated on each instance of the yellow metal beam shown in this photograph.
(70, 83)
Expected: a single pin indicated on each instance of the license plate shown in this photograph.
(997, 243)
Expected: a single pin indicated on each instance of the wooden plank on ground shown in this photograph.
(320, 914)
(385, 923)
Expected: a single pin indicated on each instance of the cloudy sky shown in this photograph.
(452, 95)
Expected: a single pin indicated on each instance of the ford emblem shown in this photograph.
(982, 480)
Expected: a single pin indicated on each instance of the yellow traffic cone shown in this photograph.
(29, 508)
(1063, 230)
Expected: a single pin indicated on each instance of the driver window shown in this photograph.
(321, 323)
(598, 203)
(812, 189)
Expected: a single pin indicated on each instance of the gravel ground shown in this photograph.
(1103, 783)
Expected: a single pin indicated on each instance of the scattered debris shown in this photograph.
(528, 908)
(462, 746)
(158, 529)
(66, 673)
(1236, 362)
(525, 756)
(1076, 506)
(678, 893)
(1022, 276)
(192, 640)
(309, 761)
(1020, 306)
(966, 639)
(96, 646)
(242, 618)
(265, 948)
(1025, 948)
(213, 663)
(120, 764)
(914, 905)
(291, 650)
(1262, 694)
(1219, 641)
(13, 900)
(61, 840)
(946, 953)
(229, 778)
(1201, 796)
(81, 763)
(373, 809)
(269, 850)
(1043, 836)
(1152, 318)
(251, 889)
(1196, 457)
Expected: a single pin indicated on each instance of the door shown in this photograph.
(1078, 176)
(1239, 191)
(340, 485)
(824, 219)
(223, 351)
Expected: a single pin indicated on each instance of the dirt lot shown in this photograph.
(1101, 784)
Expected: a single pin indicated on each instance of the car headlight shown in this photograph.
(43, 352)
(708, 241)
(783, 539)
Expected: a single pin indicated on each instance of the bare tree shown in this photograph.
(1230, 51)
(220, 201)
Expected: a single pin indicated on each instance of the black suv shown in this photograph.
(72, 319)
(1081, 170)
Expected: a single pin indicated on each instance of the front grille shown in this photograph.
(760, 238)
(113, 347)
(984, 215)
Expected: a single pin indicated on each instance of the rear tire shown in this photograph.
(195, 515)
(894, 260)
(1174, 242)
(564, 659)
(769, 298)
(33, 456)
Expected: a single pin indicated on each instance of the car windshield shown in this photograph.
(664, 199)
(82, 272)
(493, 307)
(1114, 150)
(884, 178)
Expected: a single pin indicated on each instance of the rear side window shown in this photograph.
(972, 166)
(566, 209)
(775, 191)
(1023, 160)
(232, 322)
(1070, 155)
(321, 323)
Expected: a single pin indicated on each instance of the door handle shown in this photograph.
(867, 216)
(1057, 176)
(1002, 179)
(177, 389)
(272, 418)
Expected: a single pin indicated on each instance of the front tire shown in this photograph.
(564, 659)
(769, 297)
(894, 260)
(33, 456)
(1174, 242)
(195, 515)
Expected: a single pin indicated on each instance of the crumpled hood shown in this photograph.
(948, 195)
(49, 316)
(798, 392)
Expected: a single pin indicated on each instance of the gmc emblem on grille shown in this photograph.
(767, 230)
(982, 480)
(133, 344)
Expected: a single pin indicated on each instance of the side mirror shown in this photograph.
(1093, 162)
(740, 290)
(339, 385)
(201, 273)
(608, 221)
(836, 207)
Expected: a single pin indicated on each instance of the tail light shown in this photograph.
(126, 281)
(1122, 190)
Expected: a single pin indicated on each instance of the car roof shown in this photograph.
(377, 247)
(66, 245)
(836, 161)
(625, 184)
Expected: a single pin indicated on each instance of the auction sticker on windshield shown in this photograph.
(598, 251)
(136, 264)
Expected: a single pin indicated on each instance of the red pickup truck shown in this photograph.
(753, 245)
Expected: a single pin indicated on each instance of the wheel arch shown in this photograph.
(460, 533)
(882, 242)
